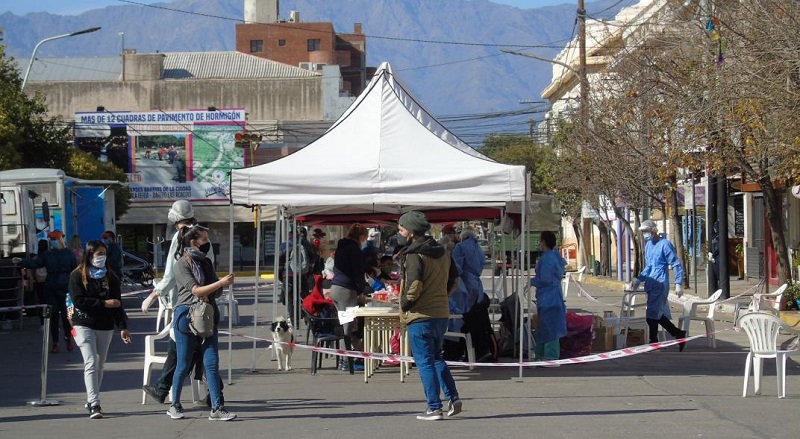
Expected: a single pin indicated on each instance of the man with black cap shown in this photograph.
(429, 277)
(659, 255)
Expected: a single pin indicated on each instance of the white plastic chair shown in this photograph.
(762, 329)
(628, 317)
(568, 278)
(467, 339)
(770, 302)
(164, 314)
(691, 312)
(151, 358)
(222, 304)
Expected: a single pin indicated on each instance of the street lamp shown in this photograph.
(33, 55)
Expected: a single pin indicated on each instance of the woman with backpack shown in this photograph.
(196, 281)
(97, 309)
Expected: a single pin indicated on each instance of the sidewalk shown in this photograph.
(744, 287)
(667, 394)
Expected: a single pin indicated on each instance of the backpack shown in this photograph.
(201, 319)
(302, 262)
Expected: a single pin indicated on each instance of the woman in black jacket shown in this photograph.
(97, 309)
(348, 272)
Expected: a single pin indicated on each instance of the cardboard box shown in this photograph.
(634, 337)
(603, 339)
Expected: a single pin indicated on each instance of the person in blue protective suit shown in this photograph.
(659, 255)
(549, 299)
(469, 259)
(469, 299)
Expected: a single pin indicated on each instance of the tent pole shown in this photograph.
(492, 250)
(276, 278)
(296, 280)
(258, 277)
(286, 259)
(526, 263)
(230, 295)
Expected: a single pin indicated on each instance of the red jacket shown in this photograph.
(315, 301)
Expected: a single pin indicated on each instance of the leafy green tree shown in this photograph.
(28, 138)
(520, 150)
(31, 139)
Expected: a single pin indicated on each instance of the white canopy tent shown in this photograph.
(385, 155)
(384, 152)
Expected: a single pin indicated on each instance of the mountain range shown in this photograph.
(447, 51)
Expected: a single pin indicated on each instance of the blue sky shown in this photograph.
(69, 7)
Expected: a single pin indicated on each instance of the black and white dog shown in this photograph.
(282, 335)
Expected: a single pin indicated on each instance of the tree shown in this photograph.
(755, 97)
(31, 139)
(719, 88)
(27, 137)
(520, 150)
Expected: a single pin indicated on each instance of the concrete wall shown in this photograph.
(264, 99)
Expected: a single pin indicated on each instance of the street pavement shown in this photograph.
(670, 394)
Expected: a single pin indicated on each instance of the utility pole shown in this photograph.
(584, 80)
(586, 226)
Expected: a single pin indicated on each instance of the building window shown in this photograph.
(281, 42)
(256, 46)
(313, 45)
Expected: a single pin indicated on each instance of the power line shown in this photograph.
(379, 37)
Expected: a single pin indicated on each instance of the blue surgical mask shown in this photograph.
(647, 236)
(106, 241)
(55, 245)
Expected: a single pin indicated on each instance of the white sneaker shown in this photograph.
(221, 415)
(431, 415)
(176, 412)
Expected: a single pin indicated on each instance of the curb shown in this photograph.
(609, 283)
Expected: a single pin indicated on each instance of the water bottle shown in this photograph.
(70, 308)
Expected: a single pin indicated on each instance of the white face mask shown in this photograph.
(99, 261)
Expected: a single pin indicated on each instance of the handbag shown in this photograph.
(201, 319)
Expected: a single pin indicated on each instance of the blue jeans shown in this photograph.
(426, 338)
(185, 344)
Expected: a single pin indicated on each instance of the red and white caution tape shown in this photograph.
(620, 353)
(583, 293)
(135, 293)
(247, 288)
